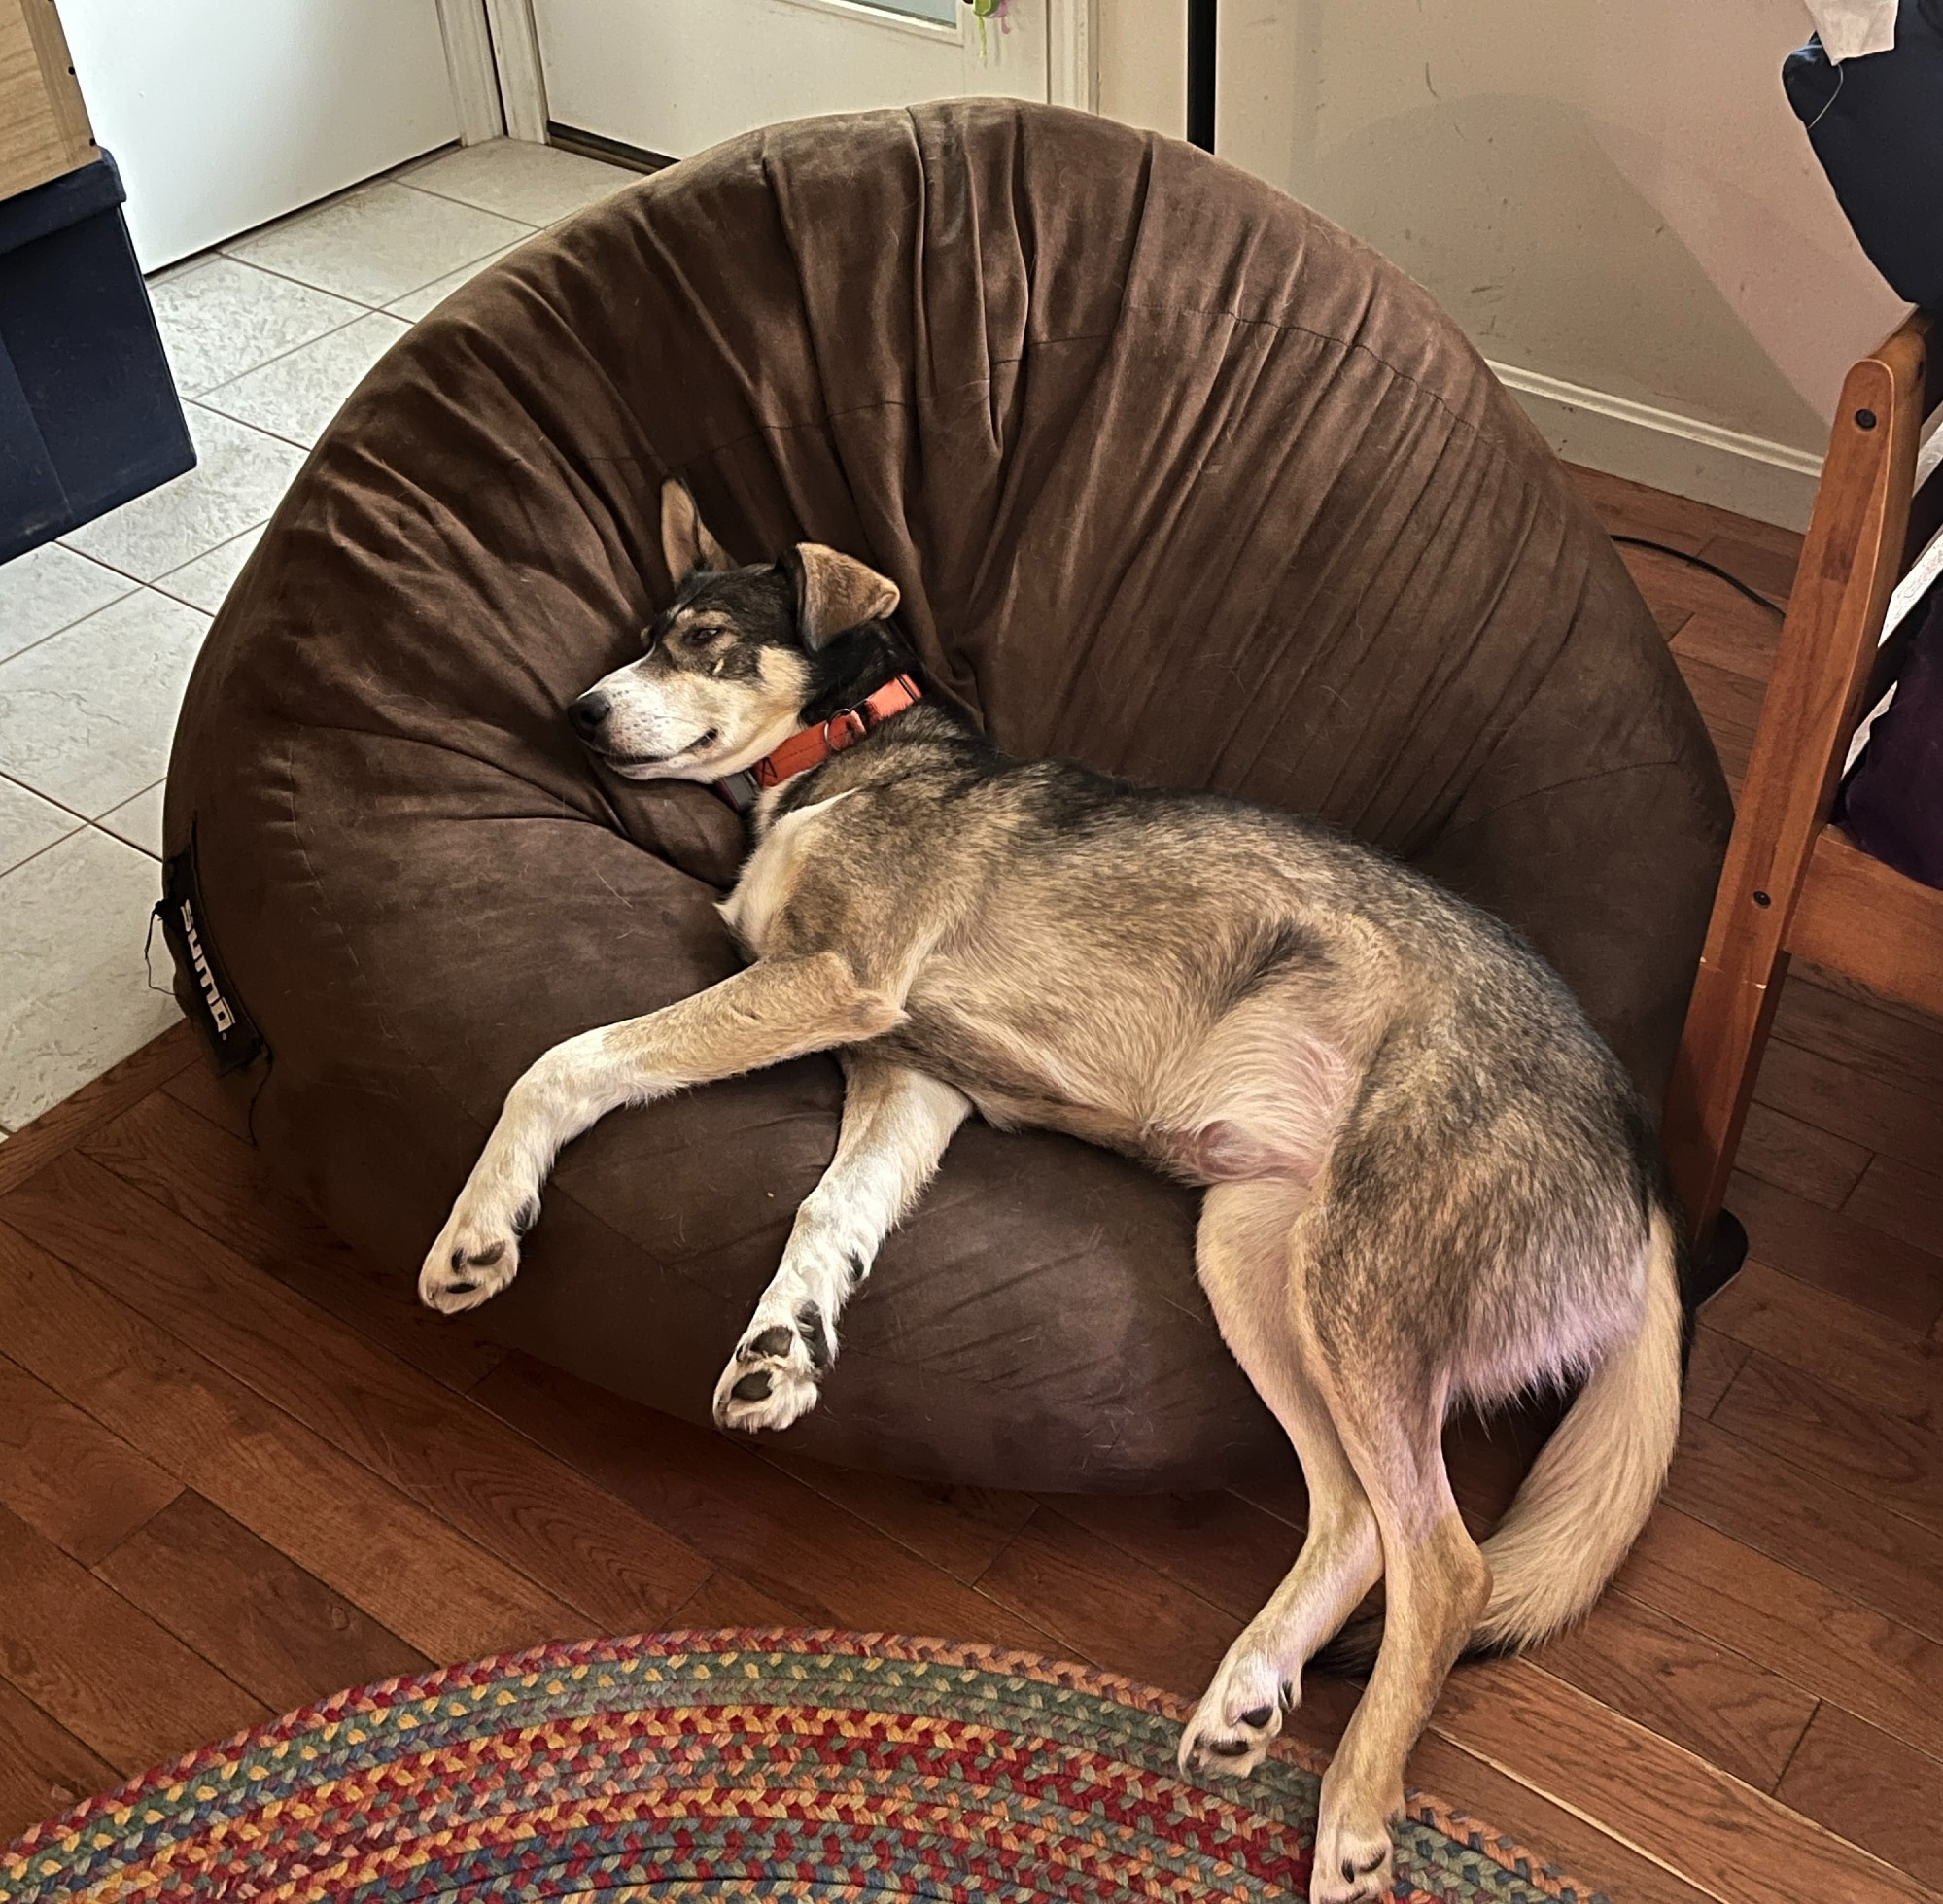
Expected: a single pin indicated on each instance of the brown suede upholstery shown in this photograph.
(1176, 478)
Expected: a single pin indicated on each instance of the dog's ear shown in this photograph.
(834, 593)
(685, 542)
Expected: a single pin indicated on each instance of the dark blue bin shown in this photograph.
(88, 415)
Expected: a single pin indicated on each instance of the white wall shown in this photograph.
(1616, 199)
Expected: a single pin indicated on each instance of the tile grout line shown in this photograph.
(253, 529)
(526, 230)
(200, 397)
(82, 823)
(134, 582)
(139, 587)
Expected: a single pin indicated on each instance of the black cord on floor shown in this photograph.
(1711, 567)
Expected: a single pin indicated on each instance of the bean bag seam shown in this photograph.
(1557, 786)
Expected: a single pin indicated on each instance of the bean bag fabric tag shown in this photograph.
(202, 989)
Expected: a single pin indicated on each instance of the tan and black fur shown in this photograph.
(1426, 1180)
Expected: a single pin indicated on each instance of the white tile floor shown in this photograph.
(267, 337)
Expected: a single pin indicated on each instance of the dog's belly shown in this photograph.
(1249, 1098)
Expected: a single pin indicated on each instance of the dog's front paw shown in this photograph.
(475, 1257)
(1238, 1714)
(1353, 1861)
(772, 1379)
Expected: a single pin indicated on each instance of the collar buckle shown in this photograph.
(844, 730)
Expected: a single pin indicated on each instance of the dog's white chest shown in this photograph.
(770, 876)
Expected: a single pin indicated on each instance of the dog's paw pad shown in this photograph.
(771, 1381)
(1352, 1865)
(818, 1343)
(468, 1265)
(1238, 1716)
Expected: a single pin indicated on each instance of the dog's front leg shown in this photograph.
(776, 1009)
(897, 1124)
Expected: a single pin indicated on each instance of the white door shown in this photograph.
(675, 76)
(221, 113)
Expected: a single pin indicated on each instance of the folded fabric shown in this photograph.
(1891, 803)
(1876, 124)
(1851, 28)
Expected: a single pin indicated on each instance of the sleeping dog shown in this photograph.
(1426, 1180)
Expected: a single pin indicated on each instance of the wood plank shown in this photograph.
(1863, 917)
(1835, 1252)
(1715, 1362)
(1900, 1201)
(1684, 1686)
(1218, 1546)
(1839, 1018)
(1727, 1838)
(257, 1617)
(959, 1529)
(535, 1513)
(1778, 1508)
(1728, 633)
(1730, 704)
(1822, 1641)
(198, 1088)
(1762, 554)
(1868, 1108)
(406, 1567)
(66, 1476)
(1572, 1843)
(1680, 592)
(1884, 1462)
(726, 1599)
(1098, 1607)
(129, 1691)
(1890, 1366)
(1872, 1790)
(64, 1126)
(226, 1188)
(1779, 1149)
(1632, 508)
(804, 1552)
(44, 1768)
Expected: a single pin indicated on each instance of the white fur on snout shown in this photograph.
(660, 708)
(656, 719)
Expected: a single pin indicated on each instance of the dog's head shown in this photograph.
(731, 662)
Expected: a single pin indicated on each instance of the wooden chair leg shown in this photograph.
(1706, 1102)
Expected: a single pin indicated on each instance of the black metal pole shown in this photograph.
(1200, 73)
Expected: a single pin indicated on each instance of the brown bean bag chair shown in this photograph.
(1176, 478)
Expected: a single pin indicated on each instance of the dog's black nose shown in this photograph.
(586, 714)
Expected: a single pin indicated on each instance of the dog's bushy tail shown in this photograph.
(1589, 1492)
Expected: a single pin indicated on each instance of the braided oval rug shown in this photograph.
(732, 1765)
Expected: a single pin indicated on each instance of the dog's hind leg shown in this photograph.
(1247, 1254)
(1388, 1406)
(776, 1009)
(897, 1124)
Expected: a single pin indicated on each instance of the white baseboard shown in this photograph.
(1747, 474)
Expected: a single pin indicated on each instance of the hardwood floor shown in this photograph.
(239, 1469)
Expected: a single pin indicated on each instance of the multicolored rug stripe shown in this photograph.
(732, 1765)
